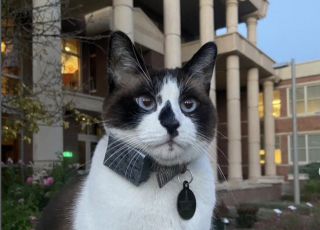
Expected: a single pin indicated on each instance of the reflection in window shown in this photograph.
(70, 59)
(308, 99)
(308, 148)
(276, 104)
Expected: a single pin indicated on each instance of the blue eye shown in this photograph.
(146, 102)
(188, 105)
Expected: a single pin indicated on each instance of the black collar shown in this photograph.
(135, 165)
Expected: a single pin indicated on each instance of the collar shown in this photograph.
(135, 165)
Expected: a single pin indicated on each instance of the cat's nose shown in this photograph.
(168, 120)
(171, 126)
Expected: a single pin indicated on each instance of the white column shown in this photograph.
(207, 35)
(172, 33)
(46, 64)
(123, 17)
(253, 124)
(232, 15)
(234, 119)
(269, 128)
(252, 28)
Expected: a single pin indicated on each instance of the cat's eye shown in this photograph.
(188, 105)
(146, 102)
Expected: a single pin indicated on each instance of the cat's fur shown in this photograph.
(167, 133)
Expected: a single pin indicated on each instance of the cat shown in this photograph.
(168, 114)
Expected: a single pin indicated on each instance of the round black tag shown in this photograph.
(186, 203)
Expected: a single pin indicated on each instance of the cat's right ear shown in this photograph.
(123, 60)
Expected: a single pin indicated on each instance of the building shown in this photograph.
(252, 99)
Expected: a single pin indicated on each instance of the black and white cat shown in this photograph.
(168, 114)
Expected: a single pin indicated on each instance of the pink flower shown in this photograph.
(29, 180)
(32, 219)
(50, 180)
(10, 161)
(45, 182)
(21, 201)
(70, 166)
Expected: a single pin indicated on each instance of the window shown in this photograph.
(277, 151)
(70, 60)
(308, 99)
(93, 72)
(276, 104)
(10, 71)
(308, 148)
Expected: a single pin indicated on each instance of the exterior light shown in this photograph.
(3, 47)
(278, 211)
(309, 204)
(67, 49)
(292, 207)
(67, 154)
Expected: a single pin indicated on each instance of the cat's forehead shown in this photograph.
(169, 89)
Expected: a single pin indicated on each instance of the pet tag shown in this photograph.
(186, 202)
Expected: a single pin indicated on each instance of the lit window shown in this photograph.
(308, 148)
(276, 104)
(70, 59)
(308, 99)
(277, 151)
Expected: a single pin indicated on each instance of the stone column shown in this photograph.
(172, 33)
(269, 129)
(207, 35)
(234, 119)
(123, 17)
(46, 72)
(253, 124)
(232, 15)
(252, 28)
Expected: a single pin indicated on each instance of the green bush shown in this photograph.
(24, 197)
(247, 215)
(312, 169)
(291, 221)
(312, 186)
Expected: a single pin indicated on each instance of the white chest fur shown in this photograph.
(109, 202)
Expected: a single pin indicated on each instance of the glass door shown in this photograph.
(86, 146)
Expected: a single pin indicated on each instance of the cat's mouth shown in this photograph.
(171, 143)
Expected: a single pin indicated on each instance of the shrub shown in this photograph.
(312, 186)
(312, 169)
(247, 215)
(291, 221)
(24, 197)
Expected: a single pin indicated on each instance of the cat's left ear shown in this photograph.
(123, 60)
(202, 63)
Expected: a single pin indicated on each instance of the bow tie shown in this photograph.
(135, 165)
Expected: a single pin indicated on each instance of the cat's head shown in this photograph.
(165, 112)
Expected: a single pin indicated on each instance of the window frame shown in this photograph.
(79, 89)
(306, 136)
(305, 99)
